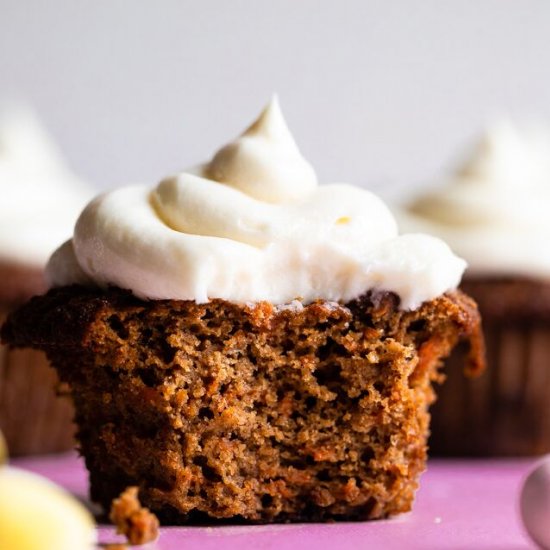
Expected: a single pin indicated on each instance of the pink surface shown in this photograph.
(461, 505)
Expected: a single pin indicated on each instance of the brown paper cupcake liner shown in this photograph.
(33, 418)
(506, 411)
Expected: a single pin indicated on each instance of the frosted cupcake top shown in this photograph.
(494, 210)
(41, 199)
(252, 224)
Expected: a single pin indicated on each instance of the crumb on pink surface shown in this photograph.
(138, 524)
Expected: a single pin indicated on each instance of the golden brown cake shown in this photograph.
(253, 413)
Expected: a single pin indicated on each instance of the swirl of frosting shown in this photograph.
(245, 229)
(493, 211)
(41, 198)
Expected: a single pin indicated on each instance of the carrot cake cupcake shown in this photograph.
(40, 202)
(244, 344)
(494, 213)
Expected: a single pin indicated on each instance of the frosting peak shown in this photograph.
(272, 125)
(264, 162)
(509, 157)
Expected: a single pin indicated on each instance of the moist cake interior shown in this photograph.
(250, 413)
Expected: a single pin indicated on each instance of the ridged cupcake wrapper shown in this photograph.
(33, 418)
(506, 411)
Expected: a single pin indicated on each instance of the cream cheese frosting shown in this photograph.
(41, 198)
(252, 224)
(494, 210)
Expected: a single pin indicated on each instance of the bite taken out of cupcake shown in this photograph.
(242, 343)
(493, 212)
(40, 203)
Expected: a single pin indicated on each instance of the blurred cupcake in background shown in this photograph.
(494, 211)
(40, 202)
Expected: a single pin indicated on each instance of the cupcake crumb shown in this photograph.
(116, 546)
(136, 523)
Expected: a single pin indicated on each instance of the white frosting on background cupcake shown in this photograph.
(41, 198)
(494, 210)
(252, 224)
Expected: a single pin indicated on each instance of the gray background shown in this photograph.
(382, 94)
